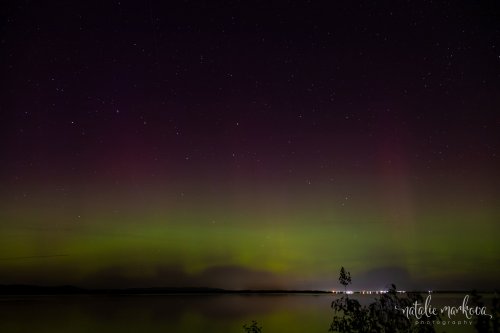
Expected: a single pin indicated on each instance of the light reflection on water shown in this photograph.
(179, 313)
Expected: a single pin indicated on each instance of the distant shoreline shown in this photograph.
(26, 290)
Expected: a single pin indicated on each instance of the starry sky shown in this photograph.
(250, 144)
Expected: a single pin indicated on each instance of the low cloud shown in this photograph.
(227, 277)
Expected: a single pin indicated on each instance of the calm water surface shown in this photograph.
(178, 313)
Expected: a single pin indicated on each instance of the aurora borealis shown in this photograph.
(252, 145)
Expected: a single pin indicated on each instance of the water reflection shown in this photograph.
(176, 313)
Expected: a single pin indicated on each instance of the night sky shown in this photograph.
(250, 145)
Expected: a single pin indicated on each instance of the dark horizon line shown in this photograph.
(24, 289)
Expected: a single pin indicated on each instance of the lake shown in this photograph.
(179, 313)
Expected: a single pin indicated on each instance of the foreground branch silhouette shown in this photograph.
(485, 324)
(381, 315)
(252, 328)
(378, 317)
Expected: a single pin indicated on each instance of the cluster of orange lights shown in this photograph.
(364, 292)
